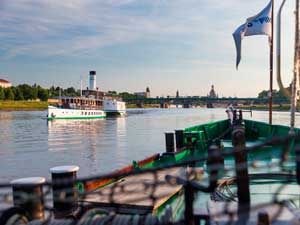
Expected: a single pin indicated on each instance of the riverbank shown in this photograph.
(35, 106)
(23, 105)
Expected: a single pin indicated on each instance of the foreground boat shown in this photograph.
(220, 171)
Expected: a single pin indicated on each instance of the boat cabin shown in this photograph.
(80, 103)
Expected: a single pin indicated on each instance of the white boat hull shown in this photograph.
(63, 113)
(114, 107)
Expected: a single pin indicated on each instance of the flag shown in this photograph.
(260, 24)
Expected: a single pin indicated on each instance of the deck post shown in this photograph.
(179, 136)
(263, 218)
(65, 194)
(28, 195)
(297, 151)
(189, 204)
(241, 168)
(170, 147)
(214, 165)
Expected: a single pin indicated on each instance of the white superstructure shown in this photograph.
(63, 113)
(114, 107)
(76, 108)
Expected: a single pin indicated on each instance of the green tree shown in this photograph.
(263, 94)
(127, 95)
(112, 93)
(70, 92)
(43, 94)
(9, 94)
(28, 91)
(18, 94)
(275, 94)
(52, 92)
(2, 94)
(34, 92)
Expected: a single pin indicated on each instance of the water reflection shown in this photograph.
(29, 145)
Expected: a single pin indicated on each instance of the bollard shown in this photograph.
(179, 136)
(170, 148)
(28, 195)
(215, 166)
(189, 140)
(263, 218)
(64, 189)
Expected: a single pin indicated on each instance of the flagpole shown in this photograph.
(296, 71)
(271, 65)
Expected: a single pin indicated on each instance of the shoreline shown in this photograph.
(23, 106)
(41, 106)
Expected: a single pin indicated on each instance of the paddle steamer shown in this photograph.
(91, 104)
(77, 108)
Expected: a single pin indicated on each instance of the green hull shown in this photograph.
(262, 188)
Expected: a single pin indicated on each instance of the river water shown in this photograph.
(29, 145)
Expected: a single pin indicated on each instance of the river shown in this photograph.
(30, 146)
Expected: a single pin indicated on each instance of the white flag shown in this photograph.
(256, 25)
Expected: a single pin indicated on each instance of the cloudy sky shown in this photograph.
(164, 44)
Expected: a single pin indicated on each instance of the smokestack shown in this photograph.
(92, 80)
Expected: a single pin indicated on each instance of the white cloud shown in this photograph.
(200, 28)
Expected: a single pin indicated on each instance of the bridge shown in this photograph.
(187, 102)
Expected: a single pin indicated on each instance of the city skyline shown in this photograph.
(185, 45)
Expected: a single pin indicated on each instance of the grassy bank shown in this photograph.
(23, 105)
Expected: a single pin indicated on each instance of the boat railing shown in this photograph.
(81, 107)
(133, 195)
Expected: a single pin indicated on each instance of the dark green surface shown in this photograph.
(259, 161)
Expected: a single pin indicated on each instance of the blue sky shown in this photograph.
(164, 44)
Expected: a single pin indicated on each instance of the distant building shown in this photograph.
(212, 93)
(177, 94)
(143, 94)
(5, 83)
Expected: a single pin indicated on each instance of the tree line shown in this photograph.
(27, 92)
(275, 95)
(123, 95)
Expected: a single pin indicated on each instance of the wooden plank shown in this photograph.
(138, 191)
(93, 185)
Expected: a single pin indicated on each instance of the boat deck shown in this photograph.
(143, 193)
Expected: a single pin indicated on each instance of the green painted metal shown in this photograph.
(197, 139)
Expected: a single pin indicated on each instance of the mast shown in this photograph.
(284, 91)
(296, 70)
(80, 86)
(271, 65)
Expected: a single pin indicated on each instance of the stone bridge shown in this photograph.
(188, 102)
